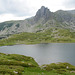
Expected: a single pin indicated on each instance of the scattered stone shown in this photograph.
(15, 72)
(42, 73)
(29, 64)
(72, 71)
(22, 61)
(9, 60)
(44, 66)
(67, 67)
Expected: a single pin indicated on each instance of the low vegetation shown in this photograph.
(53, 35)
(61, 68)
(14, 64)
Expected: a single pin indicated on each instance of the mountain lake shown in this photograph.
(44, 53)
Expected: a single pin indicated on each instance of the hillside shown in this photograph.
(43, 20)
(14, 64)
(52, 35)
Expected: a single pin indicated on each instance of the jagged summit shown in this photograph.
(43, 12)
(42, 7)
(43, 20)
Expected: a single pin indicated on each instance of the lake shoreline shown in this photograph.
(15, 64)
(44, 53)
(41, 43)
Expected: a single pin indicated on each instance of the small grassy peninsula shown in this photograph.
(14, 64)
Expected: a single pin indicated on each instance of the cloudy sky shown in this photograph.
(21, 9)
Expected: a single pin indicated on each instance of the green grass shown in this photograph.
(14, 64)
(48, 36)
(37, 71)
(60, 68)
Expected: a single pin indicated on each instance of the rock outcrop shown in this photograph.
(43, 20)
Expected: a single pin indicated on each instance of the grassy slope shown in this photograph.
(53, 35)
(14, 64)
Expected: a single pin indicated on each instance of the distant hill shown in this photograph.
(43, 20)
(72, 11)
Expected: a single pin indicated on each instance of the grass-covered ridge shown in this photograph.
(14, 64)
(52, 35)
(61, 68)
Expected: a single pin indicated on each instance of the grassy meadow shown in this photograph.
(14, 64)
(47, 36)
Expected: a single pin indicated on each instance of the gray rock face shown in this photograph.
(43, 13)
(62, 16)
(43, 20)
(72, 11)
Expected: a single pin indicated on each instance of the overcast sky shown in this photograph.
(21, 9)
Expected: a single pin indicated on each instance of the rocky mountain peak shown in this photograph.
(43, 12)
(43, 20)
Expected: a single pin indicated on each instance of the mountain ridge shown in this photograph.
(43, 20)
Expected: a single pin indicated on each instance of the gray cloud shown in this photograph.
(15, 7)
(69, 3)
(29, 7)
